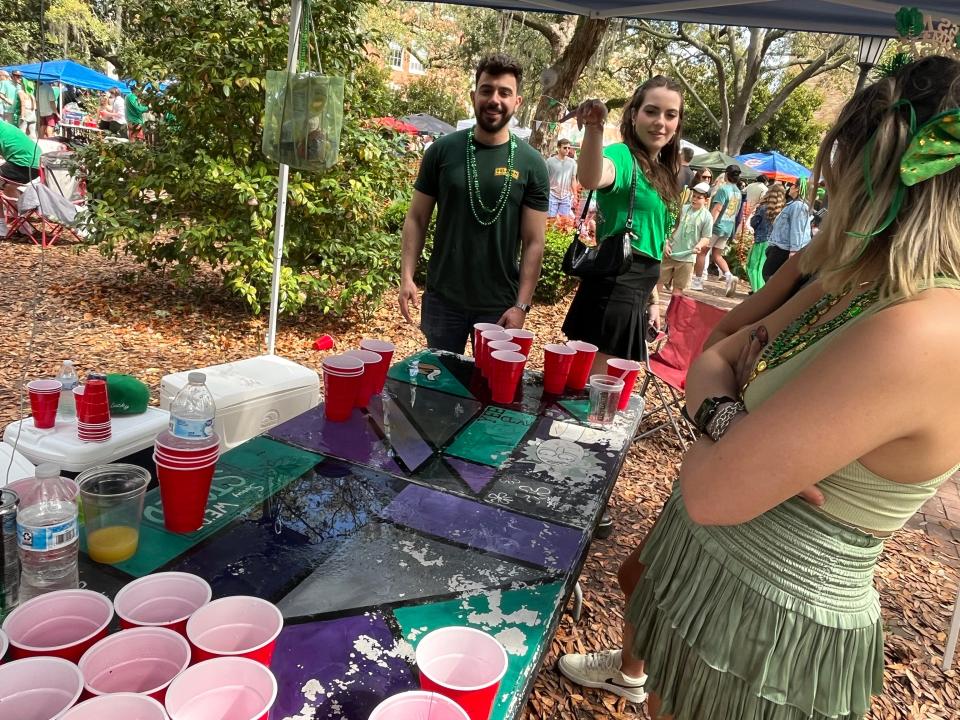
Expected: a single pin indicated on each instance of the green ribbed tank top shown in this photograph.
(854, 494)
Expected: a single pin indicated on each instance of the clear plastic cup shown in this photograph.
(112, 499)
(605, 393)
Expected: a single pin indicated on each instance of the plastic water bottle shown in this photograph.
(193, 410)
(48, 536)
(68, 378)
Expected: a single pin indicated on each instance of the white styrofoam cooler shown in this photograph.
(10, 471)
(252, 395)
(60, 444)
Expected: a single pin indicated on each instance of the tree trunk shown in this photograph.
(569, 66)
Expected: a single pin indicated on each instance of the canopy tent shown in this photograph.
(429, 124)
(68, 72)
(775, 165)
(718, 162)
(697, 150)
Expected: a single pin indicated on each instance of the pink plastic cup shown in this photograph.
(236, 626)
(63, 623)
(582, 361)
(523, 338)
(506, 369)
(4, 644)
(226, 688)
(418, 705)
(39, 688)
(465, 665)
(44, 400)
(164, 600)
(489, 336)
(368, 381)
(627, 370)
(184, 492)
(143, 660)
(118, 706)
(557, 361)
(342, 376)
(385, 350)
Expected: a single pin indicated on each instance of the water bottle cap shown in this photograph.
(197, 377)
(68, 362)
(47, 470)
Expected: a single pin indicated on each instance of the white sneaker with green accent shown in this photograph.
(602, 670)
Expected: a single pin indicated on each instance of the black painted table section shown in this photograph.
(434, 507)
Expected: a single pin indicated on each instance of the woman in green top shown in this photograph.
(613, 313)
(753, 596)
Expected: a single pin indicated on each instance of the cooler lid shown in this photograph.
(21, 467)
(238, 382)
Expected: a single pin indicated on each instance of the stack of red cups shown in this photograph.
(504, 369)
(385, 350)
(93, 412)
(185, 470)
(342, 378)
(44, 400)
(368, 380)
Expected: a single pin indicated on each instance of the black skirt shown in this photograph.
(612, 312)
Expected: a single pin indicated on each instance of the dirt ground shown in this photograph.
(114, 317)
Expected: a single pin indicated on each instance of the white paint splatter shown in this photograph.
(369, 648)
(307, 712)
(513, 641)
(311, 689)
(409, 547)
(496, 617)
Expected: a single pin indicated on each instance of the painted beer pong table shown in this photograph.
(432, 508)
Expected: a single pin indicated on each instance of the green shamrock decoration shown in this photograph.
(934, 149)
(909, 22)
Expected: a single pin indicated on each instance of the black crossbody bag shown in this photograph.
(612, 255)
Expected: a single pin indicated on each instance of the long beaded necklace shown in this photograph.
(802, 332)
(473, 183)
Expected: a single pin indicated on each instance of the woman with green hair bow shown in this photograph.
(825, 426)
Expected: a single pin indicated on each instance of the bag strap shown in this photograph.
(633, 195)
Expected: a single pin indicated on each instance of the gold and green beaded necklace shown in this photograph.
(473, 184)
(803, 332)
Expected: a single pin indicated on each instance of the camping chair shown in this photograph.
(688, 324)
(46, 209)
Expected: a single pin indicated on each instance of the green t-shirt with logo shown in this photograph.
(17, 148)
(651, 218)
(476, 267)
(728, 197)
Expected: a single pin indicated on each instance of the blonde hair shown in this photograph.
(774, 201)
(923, 242)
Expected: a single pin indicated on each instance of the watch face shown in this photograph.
(704, 412)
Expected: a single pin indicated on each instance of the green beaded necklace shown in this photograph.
(802, 332)
(473, 183)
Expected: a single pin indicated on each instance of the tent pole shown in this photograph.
(296, 10)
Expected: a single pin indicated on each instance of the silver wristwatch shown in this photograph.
(522, 306)
(720, 422)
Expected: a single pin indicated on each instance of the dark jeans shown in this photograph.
(448, 327)
(775, 258)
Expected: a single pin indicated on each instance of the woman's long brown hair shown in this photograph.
(660, 171)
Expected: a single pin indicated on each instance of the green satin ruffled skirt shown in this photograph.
(774, 619)
(755, 260)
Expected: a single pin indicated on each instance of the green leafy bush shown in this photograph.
(554, 285)
(204, 196)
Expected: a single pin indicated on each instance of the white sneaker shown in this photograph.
(602, 670)
(696, 283)
(731, 281)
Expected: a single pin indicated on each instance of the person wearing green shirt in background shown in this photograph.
(613, 313)
(8, 97)
(134, 111)
(724, 206)
(690, 237)
(491, 193)
(20, 153)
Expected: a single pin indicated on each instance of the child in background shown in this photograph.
(690, 237)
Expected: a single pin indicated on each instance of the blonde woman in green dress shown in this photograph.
(826, 425)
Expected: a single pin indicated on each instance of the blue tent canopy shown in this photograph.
(775, 165)
(68, 72)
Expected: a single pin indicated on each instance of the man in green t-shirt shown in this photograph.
(723, 206)
(133, 112)
(491, 192)
(20, 153)
(8, 97)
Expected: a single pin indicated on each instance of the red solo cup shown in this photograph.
(185, 464)
(169, 445)
(420, 705)
(63, 623)
(385, 350)
(44, 400)
(523, 338)
(39, 688)
(143, 660)
(582, 362)
(165, 600)
(557, 361)
(96, 391)
(183, 495)
(236, 626)
(478, 330)
(342, 375)
(227, 688)
(489, 336)
(503, 346)
(506, 369)
(4, 645)
(465, 665)
(204, 457)
(368, 381)
(118, 706)
(627, 370)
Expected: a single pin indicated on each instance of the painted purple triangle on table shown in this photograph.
(476, 476)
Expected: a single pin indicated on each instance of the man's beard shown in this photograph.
(489, 127)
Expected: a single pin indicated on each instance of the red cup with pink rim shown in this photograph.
(504, 346)
(385, 350)
(368, 381)
(523, 338)
(224, 688)
(489, 336)
(118, 706)
(478, 330)
(185, 472)
(39, 688)
(557, 361)
(626, 370)
(342, 376)
(506, 369)
(63, 623)
(165, 600)
(235, 626)
(582, 362)
(418, 704)
(44, 400)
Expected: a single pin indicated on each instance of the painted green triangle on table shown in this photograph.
(432, 374)
(492, 437)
